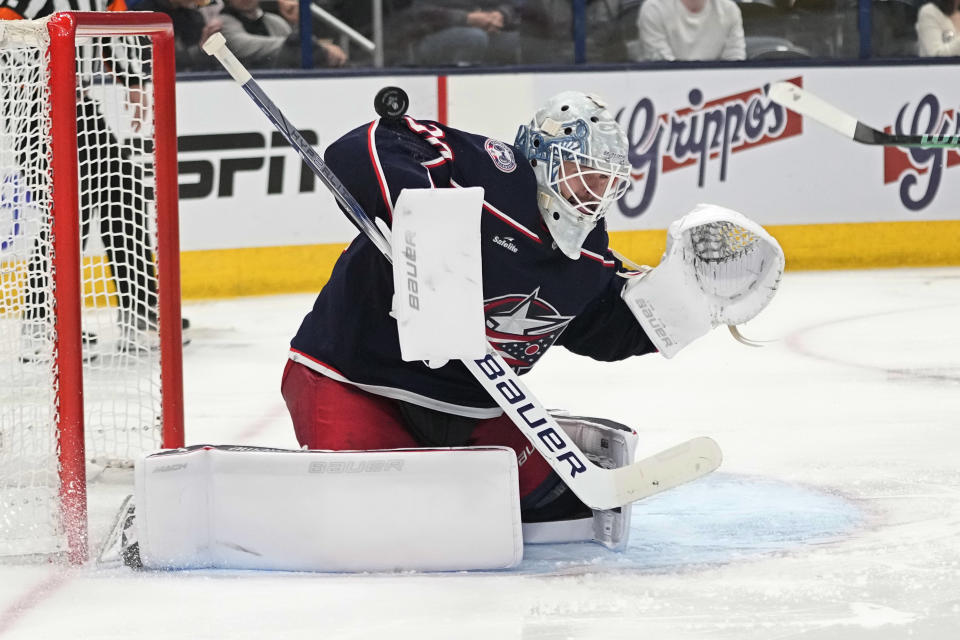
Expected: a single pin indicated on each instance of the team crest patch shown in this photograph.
(522, 326)
(501, 154)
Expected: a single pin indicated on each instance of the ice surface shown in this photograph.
(836, 513)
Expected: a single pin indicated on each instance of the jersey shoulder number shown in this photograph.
(432, 134)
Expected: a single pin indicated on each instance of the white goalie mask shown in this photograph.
(579, 155)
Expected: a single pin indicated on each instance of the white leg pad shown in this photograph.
(404, 509)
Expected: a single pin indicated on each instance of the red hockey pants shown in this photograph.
(328, 414)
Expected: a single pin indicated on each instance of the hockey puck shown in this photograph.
(391, 103)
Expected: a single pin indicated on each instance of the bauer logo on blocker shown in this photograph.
(410, 256)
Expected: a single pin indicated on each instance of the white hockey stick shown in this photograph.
(598, 488)
(806, 104)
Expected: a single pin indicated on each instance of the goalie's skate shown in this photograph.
(609, 445)
(139, 334)
(121, 547)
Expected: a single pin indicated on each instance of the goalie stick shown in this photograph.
(805, 103)
(598, 488)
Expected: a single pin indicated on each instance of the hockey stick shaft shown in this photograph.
(598, 488)
(807, 104)
(216, 46)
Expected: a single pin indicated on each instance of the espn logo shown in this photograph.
(226, 158)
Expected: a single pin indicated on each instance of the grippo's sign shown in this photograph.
(704, 132)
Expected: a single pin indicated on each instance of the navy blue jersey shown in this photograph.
(534, 296)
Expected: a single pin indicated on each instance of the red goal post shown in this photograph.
(89, 129)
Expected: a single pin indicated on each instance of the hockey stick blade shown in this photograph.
(668, 469)
(806, 104)
(597, 487)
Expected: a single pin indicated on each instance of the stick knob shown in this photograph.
(216, 45)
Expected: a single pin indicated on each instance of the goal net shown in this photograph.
(90, 333)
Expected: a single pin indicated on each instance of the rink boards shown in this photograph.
(254, 220)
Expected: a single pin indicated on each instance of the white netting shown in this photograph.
(735, 262)
(118, 227)
(117, 218)
(728, 258)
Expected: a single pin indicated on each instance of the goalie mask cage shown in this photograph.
(90, 329)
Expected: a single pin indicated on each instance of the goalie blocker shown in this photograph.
(236, 507)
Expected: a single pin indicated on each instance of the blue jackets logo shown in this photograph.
(501, 154)
(521, 327)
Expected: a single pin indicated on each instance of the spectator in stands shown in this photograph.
(938, 23)
(546, 30)
(438, 32)
(266, 40)
(691, 30)
(453, 32)
(289, 10)
(466, 35)
(190, 28)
